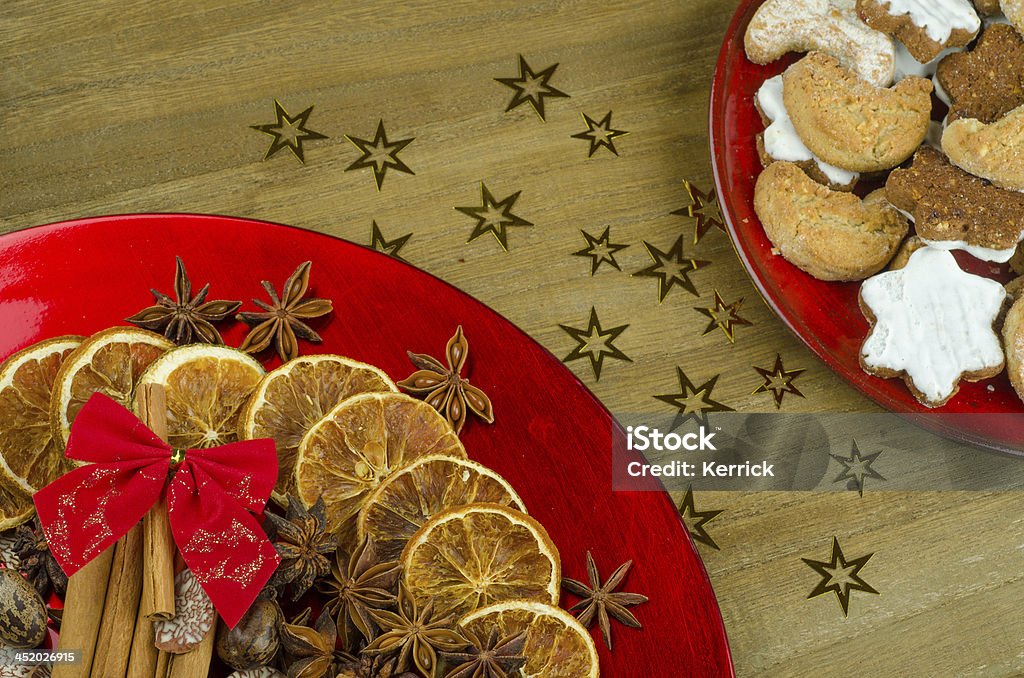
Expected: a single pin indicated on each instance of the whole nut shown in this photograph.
(254, 640)
(22, 612)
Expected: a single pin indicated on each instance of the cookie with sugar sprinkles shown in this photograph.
(932, 324)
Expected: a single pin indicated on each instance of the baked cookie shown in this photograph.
(926, 27)
(781, 142)
(907, 66)
(1014, 11)
(831, 26)
(987, 7)
(954, 210)
(931, 323)
(851, 124)
(909, 246)
(829, 234)
(1013, 340)
(994, 152)
(987, 82)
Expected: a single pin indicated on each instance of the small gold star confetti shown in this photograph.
(494, 216)
(778, 381)
(671, 268)
(856, 468)
(595, 343)
(388, 247)
(531, 87)
(696, 520)
(705, 208)
(840, 576)
(724, 316)
(600, 250)
(600, 133)
(693, 402)
(288, 132)
(379, 154)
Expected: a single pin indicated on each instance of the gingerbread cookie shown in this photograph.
(1014, 11)
(850, 124)
(926, 27)
(994, 152)
(931, 323)
(987, 82)
(829, 234)
(954, 210)
(781, 142)
(832, 26)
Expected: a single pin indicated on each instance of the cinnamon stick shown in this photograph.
(114, 643)
(195, 662)
(158, 543)
(83, 609)
(142, 662)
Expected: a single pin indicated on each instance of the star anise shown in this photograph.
(444, 389)
(356, 585)
(185, 319)
(413, 635)
(302, 541)
(38, 563)
(310, 651)
(599, 600)
(282, 323)
(493, 657)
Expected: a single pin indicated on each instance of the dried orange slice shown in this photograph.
(207, 387)
(361, 442)
(15, 508)
(108, 362)
(30, 457)
(557, 646)
(298, 394)
(400, 505)
(472, 556)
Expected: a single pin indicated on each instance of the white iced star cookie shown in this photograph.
(931, 323)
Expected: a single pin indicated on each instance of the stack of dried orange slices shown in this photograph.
(390, 470)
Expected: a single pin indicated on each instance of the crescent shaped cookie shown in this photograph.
(926, 27)
(1014, 11)
(829, 234)
(931, 323)
(994, 152)
(851, 124)
(831, 26)
(1013, 341)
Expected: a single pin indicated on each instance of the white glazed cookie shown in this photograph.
(830, 26)
(931, 323)
(781, 142)
(994, 152)
(926, 27)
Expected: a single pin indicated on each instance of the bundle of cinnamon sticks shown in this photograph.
(112, 602)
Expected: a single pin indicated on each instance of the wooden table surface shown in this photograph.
(111, 107)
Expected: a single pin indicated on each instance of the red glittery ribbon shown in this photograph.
(209, 500)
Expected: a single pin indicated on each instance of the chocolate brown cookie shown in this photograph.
(987, 82)
(949, 204)
(926, 27)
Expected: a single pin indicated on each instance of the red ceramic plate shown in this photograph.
(825, 315)
(552, 439)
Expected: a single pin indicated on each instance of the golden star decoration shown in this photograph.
(778, 381)
(379, 154)
(388, 247)
(840, 576)
(288, 132)
(693, 402)
(856, 468)
(595, 343)
(671, 268)
(494, 216)
(531, 87)
(705, 208)
(696, 520)
(600, 133)
(600, 250)
(724, 316)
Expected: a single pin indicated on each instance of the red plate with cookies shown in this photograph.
(863, 194)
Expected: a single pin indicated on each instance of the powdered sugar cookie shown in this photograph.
(781, 142)
(831, 26)
(931, 323)
(994, 152)
(1014, 11)
(1013, 340)
(829, 234)
(850, 124)
(926, 27)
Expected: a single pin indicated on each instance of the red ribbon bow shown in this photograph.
(209, 500)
